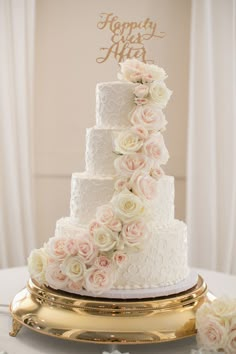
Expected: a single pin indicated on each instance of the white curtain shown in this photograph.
(211, 186)
(16, 192)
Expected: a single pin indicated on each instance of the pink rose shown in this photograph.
(94, 224)
(75, 285)
(104, 214)
(71, 246)
(155, 148)
(99, 280)
(121, 184)
(148, 116)
(157, 172)
(115, 225)
(131, 70)
(141, 91)
(119, 258)
(126, 165)
(135, 233)
(56, 247)
(54, 276)
(144, 186)
(141, 131)
(212, 333)
(103, 262)
(87, 250)
(153, 73)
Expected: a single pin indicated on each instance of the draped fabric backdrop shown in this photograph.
(211, 186)
(16, 68)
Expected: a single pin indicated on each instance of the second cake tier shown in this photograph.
(88, 193)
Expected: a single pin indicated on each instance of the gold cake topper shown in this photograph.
(127, 38)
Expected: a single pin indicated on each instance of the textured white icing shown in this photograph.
(162, 262)
(87, 193)
(99, 158)
(114, 101)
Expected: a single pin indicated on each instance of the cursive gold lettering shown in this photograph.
(127, 39)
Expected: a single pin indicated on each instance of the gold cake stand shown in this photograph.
(78, 318)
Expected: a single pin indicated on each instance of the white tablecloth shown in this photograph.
(28, 342)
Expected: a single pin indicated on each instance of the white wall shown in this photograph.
(66, 72)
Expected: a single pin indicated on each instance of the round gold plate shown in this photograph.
(73, 317)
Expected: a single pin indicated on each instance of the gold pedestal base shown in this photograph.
(58, 314)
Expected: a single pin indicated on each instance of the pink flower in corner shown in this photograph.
(211, 333)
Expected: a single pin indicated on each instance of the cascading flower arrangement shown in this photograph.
(89, 256)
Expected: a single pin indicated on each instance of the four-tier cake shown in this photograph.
(121, 236)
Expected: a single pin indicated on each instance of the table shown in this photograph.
(14, 279)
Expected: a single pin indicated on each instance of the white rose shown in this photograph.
(159, 93)
(224, 307)
(126, 165)
(148, 116)
(98, 280)
(128, 206)
(73, 268)
(104, 238)
(37, 263)
(131, 70)
(141, 91)
(54, 276)
(127, 141)
(154, 73)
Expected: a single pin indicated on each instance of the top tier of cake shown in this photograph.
(114, 102)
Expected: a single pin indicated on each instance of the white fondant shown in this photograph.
(114, 102)
(87, 193)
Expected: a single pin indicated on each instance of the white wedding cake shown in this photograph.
(122, 235)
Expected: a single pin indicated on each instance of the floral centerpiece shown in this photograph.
(216, 325)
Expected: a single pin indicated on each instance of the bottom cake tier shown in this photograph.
(162, 262)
